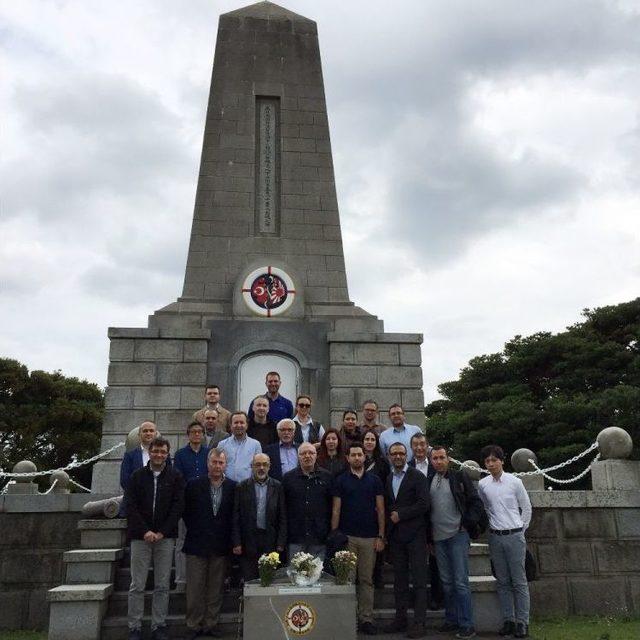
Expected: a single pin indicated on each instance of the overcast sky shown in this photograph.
(487, 162)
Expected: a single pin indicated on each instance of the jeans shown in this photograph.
(181, 561)
(452, 555)
(143, 555)
(507, 554)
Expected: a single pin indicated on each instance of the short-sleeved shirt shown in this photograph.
(358, 516)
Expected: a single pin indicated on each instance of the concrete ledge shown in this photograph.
(582, 499)
(92, 555)
(51, 503)
(80, 593)
(99, 523)
(397, 338)
(124, 332)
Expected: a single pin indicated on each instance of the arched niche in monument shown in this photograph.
(252, 372)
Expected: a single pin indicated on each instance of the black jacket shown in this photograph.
(309, 500)
(412, 505)
(380, 467)
(244, 517)
(208, 534)
(469, 503)
(141, 515)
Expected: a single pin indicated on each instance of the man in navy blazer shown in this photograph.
(283, 454)
(208, 515)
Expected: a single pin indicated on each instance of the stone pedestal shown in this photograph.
(616, 474)
(77, 610)
(533, 483)
(325, 610)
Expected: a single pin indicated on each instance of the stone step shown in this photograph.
(118, 602)
(103, 533)
(88, 566)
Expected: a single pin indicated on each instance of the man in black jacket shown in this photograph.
(455, 516)
(407, 503)
(208, 515)
(259, 517)
(308, 495)
(155, 496)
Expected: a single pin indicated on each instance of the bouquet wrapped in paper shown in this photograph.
(304, 569)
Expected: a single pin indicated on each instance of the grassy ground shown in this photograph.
(22, 635)
(578, 628)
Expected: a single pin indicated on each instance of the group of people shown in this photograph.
(274, 479)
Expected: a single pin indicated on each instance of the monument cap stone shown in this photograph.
(614, 443)
(24, 466)
(520, 460)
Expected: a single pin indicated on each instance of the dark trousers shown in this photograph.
(249, 562)
(437, 595)
(410, 558)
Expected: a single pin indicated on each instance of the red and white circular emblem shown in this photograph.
(300, 618)
(268, 291)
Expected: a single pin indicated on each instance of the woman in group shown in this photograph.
(374, 460)
(330, 455)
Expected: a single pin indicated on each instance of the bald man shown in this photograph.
(308, 496)
(138, 457)
(259, 517)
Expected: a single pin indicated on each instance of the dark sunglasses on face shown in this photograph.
(303, 405)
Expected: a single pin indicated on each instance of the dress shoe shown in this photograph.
(465, 633)
(508, 628)
(368, 628)
(398, 625)
(160, 633)
(522, 630)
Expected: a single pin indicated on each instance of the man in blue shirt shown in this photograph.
(239, 448)
(191, 462)
(399, 432)
(279, 406)
(284, 453)
(358, 510)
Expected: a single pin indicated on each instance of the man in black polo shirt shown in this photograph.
(358, 510)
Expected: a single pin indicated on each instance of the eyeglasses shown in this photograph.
(304, 404)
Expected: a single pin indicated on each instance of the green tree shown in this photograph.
(48, 418)
(552, 393)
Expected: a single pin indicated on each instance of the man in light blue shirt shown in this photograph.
(240, 448)
(399, 432)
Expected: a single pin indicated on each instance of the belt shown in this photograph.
(505, 532)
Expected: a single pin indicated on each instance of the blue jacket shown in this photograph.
(131, 461)
(207, 534)
(273, 451)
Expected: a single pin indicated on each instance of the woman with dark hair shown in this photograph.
(330, 455)
(374, 460)
(350, 432)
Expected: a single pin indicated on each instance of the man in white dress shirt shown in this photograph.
(509, 509)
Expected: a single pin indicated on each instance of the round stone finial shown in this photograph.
(474, 475)
(614, 443)
(24, 466)
(520, 460)
(62, 486)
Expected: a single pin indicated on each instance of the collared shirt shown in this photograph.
(216, 496)
(423, 466)
(288, 457)
(261, 504)
(264, 432)
(396, 479)
(191, 464)
(306, 426)
(145, 456)
(402, 435)
(239, 456)
(279, 408)
(358, 515)
(376, 428)
(506, 501)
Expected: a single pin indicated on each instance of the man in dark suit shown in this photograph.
(284, 453)
(138, 456)
(407, 503)
(259, 517)
(209, 518)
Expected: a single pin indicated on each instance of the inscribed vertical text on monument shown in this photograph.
(267, 165)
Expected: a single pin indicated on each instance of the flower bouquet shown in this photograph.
(344, 565)
(305, 569)
(267, 565)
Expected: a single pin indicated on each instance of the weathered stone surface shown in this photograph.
(565, 558)
(614, 443)
(132, 373)
(549, 597)
(183, 374)
(399, 376)
(544, 524)
(628, 522)
(584, 523)
(123, 420)
(412, 399)
(118, 398)
(341, 353)
(616, 474)
(152, 350)
(598, 596)
(345, 376)
(121, 350)
(191, 397)
(195, 351)
(14, 608)
(171, 422)
(156, 397)
(384, 397)
(614, 557)
(377, 354)
(410, 354)
(342, 398)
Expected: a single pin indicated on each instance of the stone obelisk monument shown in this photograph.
(265, 274)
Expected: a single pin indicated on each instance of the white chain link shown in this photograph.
(72, 465)
(542, 472)
(50, 489)
(72, 481)
(569, 480)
